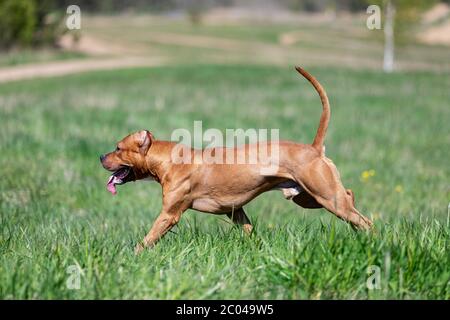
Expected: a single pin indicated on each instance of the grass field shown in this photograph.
(344, 41)
(35, 56)
(389, 137)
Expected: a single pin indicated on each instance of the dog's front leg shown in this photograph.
(169, 217)
(161, 226)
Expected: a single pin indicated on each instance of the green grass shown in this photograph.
(13, 58)
(55, 211)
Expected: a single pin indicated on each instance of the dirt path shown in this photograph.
(104, 56)
(66, 67)
(120, 56)
(108, 56)
(281, 54)
(437, 35)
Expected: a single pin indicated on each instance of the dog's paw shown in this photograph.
(138, 249)
(366, 224)
(248, 229)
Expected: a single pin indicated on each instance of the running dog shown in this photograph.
(304, 174)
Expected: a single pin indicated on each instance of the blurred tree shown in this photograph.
(29, 22)
(195, 9)
(49, 23)
(306, 5)
(350, 5)
(313, 6)
(17, 22)
(400, 18)
(322, 5)
(388, 57)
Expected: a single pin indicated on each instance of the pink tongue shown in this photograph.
(111, 186)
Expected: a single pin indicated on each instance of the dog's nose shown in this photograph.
(102, 157)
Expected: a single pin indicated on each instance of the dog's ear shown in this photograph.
(145, 141)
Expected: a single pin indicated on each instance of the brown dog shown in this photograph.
(303, 173)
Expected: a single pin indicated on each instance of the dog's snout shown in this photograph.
(102, 157)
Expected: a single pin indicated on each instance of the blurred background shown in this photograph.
(416, 33)
(68, 95)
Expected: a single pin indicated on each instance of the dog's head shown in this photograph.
(127, 161)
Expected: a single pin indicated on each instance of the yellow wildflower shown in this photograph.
(367, 174)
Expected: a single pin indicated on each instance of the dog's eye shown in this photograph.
(117, 149)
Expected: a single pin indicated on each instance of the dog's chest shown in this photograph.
(208, 205)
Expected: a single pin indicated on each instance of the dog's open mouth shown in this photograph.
(121, 176)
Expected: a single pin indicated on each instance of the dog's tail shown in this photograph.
(325, 117)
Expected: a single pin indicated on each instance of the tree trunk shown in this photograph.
(388, 60)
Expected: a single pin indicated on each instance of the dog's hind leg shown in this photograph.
(322, 181)
(305, 200)
(239, 217)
